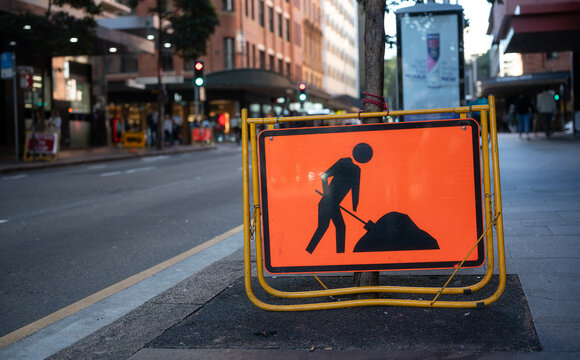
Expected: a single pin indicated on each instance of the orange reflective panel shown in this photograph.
(371, 197)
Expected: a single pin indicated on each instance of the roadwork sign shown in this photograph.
(371, 197)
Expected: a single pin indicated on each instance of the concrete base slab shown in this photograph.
(330, 354)
(503, 326)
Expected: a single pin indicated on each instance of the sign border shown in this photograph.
(262, 173)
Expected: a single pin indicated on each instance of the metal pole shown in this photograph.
(196, 100)
(15, 98)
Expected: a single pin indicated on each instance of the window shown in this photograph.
(271, 19)
(288, 67)
(122, 64)
(167, 61)
(272, 63)
(261, 13)
(279, 25)
(248, 63)
(228, 53)
(247, 8)
(253, 8)
(280, 66)
(287, 21)
(228, 5)
(297, 34)
(262, 59)
(552, 55)
(254, 56)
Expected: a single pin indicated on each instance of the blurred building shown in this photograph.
(255, 59)
(76, 86)
(536, 45)
(340, 44)
(263, 49)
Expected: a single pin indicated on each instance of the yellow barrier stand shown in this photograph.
(252, 214)
(134, 139)
(41, 145)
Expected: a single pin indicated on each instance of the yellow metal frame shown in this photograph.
(492, 210)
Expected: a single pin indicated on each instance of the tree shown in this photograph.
(49, 34)
(190, 25)
(374, 39)
(374, 42)
(390, 85)
(483, 67)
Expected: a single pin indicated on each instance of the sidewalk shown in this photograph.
(208, 316)
(96, 154)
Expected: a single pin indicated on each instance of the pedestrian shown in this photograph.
(168, 129)
(524, 110)
(55, 121)
(177, 123)
(546, 106)
(152, 118)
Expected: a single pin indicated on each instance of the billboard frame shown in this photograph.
(431, 10)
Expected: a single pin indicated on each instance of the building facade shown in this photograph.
(75, 86)
(255, 59)
(535, 46)
(340, 48)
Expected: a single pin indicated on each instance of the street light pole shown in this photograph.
(160, 92)
(15, 99)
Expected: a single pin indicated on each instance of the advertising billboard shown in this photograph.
(430, 51)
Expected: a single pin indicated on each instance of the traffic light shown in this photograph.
(302, 91)
(556, 97)
(198, 70)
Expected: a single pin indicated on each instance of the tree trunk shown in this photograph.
(374, 77)
(374, 53)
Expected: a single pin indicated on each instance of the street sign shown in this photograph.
(6, 66)
(371, 197)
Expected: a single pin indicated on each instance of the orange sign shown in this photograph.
(371, 197)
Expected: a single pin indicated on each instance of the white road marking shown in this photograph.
(147, 168)
(154, 158)
(97, 167)
(129, 171)
(3, 221)
(15, 177)
(112, 173)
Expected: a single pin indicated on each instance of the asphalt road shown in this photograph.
(66, 233)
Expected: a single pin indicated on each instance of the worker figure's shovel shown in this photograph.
(369, 225)
(392, 232)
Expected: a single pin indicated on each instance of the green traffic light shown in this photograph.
(199, 81)
(302, 97)
(556, 97)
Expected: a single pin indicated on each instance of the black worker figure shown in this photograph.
(345, 176)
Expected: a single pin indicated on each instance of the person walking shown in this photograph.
(524, 110)
(546, 106)
(168, 130)
(345, 176)
(55, 121)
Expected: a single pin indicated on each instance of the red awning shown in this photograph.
(547, 27)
